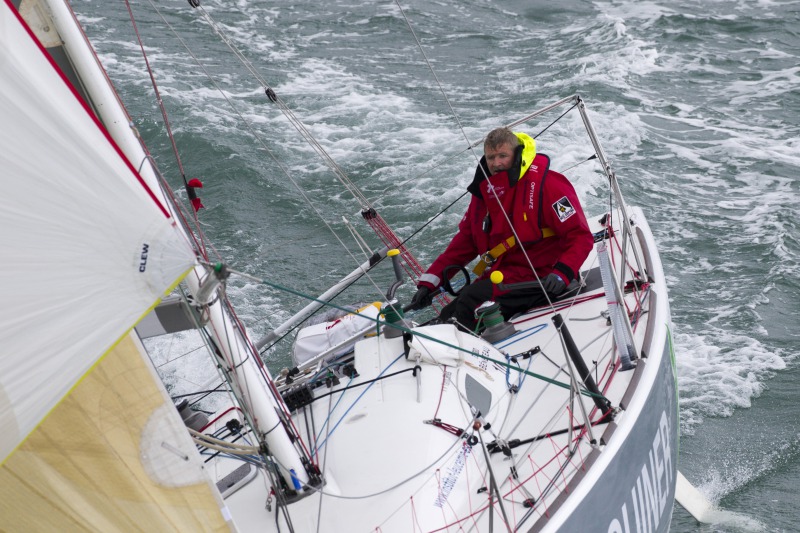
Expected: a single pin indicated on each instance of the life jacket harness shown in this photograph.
(489, 258)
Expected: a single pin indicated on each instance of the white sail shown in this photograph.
(87, 249)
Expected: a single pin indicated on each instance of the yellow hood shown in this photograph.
(528, 151)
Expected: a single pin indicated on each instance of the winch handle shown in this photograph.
(394, 253)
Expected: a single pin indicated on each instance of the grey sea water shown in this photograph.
(697, 102)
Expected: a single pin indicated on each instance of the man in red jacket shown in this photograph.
(550, 234)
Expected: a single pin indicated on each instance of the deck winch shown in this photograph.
(496, 328)
(489, 316)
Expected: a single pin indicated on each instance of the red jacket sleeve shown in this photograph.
(563, 213)
(461, 250)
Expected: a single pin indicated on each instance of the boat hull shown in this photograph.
(635, 490)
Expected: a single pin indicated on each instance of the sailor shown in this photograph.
(551, 234)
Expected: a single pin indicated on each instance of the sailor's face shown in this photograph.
(499, 158)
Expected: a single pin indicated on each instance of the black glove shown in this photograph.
(422, 298)
(553, 284)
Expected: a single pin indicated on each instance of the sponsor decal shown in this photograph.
(563, 209)
(452, 475)
(495, 190)
(482, 357)
(143, 257)
(530, 196)
(644, 509)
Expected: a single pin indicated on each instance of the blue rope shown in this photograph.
(353, 404)
(328, 418)
(518, 336)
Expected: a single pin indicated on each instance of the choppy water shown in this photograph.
(698, 103)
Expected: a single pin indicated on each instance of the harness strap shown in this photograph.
(488, 258)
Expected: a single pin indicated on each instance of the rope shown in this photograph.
(273, 97)
(433, 72)
(380, 322)
(502, 209)
(387, 234)
(213, 440)
(357, 399)
(396, 485)
(394, 240)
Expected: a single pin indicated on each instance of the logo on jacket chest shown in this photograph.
(495, 190)
(531, 196)
(563, 208)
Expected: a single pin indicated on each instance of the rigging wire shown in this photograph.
(229, 451)
(396, 485)
(385, 233)
(189, 189)
(480, 167)
(239, 388)
(493, 486)
(441, 212)
(435, 77)
(296, 122)
(451, 204)
(261, 142)
(380, 322)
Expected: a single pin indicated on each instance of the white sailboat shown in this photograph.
(563, 419)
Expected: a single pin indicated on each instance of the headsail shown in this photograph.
(112, 456)
(87, 248)
(90, 440)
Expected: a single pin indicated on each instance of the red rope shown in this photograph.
(414, 519)
(221, 415)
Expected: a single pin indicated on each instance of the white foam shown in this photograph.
(772, 85)
(644, 12)
(739, 521)
(719, 371)
(181, 360)
(729, 476)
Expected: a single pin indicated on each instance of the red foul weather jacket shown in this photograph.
(547, 217)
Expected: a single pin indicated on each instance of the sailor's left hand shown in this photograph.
(553, 284)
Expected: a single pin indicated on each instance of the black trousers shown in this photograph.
(474, 294)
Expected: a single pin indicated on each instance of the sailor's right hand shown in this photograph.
(422, 298)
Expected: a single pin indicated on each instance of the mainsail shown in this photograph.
(89, 436)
